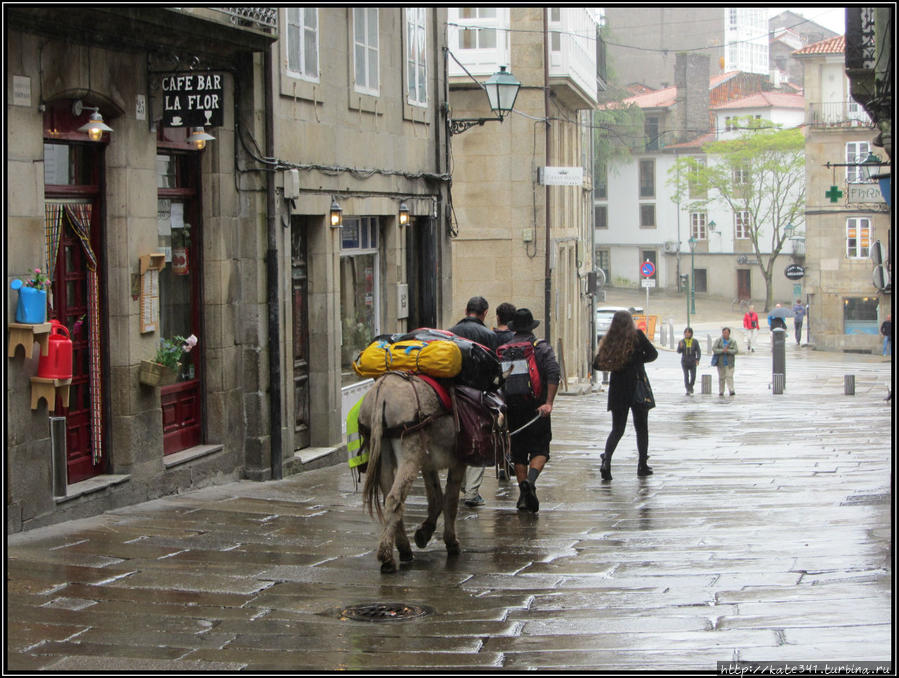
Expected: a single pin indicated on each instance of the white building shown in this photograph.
(639, 220)
(746, 39)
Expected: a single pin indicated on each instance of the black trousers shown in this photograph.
(689, 376)
(641, 426)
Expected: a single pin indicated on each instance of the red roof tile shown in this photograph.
(765, 100)
(835, 45)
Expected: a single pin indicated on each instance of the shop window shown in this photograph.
(860, 315)
(359, 289)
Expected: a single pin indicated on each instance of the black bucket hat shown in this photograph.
(523, 321)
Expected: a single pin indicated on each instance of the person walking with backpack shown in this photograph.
(472, 327)
(690, 355)
(529, 389)
(623, 351)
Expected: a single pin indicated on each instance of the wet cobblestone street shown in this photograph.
(764, 534)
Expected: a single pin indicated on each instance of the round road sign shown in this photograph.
(647, 270)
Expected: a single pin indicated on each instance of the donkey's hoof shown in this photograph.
(406, 556)
(422, 537)
(388, 567)
(453, 549)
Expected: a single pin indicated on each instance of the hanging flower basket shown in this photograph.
(156, 374)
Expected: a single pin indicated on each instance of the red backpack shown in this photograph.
(519, 360)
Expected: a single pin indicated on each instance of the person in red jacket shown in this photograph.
(751, 325)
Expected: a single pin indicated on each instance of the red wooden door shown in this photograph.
(70, 292)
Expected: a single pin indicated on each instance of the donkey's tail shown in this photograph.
(371, 490)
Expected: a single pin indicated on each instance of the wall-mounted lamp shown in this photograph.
(404, 214)
(94, 127)
(712, 226)
(336, 214)
(198, 137)
(502, 90)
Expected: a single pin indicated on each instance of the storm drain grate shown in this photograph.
(381, 612)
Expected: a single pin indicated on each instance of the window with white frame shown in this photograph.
(366, 50)
(416, 56)
(302, 42)
(741, 225)
(699, 225)
(474, 37)
(856, 152)
(741, 176)
(858, 237)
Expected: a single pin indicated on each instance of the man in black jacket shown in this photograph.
(472, 327)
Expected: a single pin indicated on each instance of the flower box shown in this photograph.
(156, 374)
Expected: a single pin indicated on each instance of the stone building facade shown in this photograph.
(149, 237)
(845, 214)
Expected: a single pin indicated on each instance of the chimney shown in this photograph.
(691, 76)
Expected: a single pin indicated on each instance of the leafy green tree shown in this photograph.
(761, 173)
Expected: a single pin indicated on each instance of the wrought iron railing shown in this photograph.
(262, 18)
(837, 114)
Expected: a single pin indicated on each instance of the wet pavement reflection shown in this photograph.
(764, 535)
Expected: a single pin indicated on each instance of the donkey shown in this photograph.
(408, 431)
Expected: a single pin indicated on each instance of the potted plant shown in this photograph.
(32, 306)
(163, 369)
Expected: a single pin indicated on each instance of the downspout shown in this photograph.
(272, 280)
(547, 299)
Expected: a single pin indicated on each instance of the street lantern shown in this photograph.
(502, 91)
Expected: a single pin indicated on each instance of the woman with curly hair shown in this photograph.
(623, 351)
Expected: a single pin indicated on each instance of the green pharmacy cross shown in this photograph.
(834, 194)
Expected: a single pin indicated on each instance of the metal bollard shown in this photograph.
(708, 341)
(849, 384)
(778, 386)
(707, 384)
(58, 455)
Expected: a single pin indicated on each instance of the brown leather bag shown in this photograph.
(482, 437)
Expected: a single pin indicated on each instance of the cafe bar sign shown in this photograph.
(193, 99)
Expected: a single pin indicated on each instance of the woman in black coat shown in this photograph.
(623, 351)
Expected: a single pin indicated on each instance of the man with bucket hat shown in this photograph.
(530, 390)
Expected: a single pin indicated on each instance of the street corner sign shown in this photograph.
(647, 269)
(794, 272)
(193, 99)
(561, 176)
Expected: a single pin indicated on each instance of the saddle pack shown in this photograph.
(480, 367)
(437, 358)
(482, 437)
(519, 363)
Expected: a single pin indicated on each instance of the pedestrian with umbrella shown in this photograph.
(777, 317)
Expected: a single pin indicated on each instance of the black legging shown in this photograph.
(641, 426)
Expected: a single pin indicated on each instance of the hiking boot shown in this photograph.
(522, 503)
(474, 501)
(605, 469)
(531, 503)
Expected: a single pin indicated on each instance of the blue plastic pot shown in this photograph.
(32, 306)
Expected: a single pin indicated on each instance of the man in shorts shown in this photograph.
(530, 447)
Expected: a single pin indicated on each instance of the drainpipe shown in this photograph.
(272, 281)
(547, 299)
